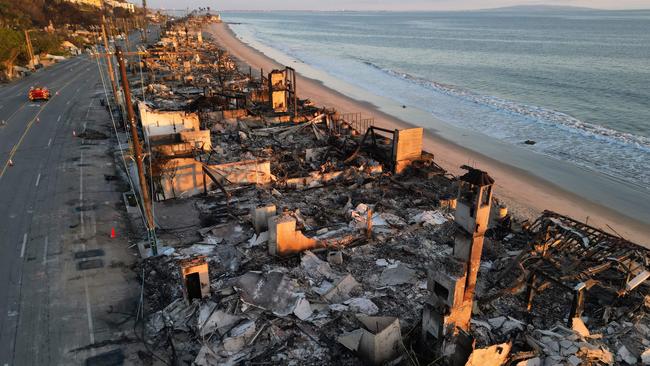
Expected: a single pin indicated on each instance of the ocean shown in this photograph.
(576, 82)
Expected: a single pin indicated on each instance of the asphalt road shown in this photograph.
(56, 212)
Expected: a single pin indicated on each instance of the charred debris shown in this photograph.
(295, 234)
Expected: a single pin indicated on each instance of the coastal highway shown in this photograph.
(64, 284)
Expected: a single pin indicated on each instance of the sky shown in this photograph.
(386, 4)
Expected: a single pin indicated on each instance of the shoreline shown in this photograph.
(525, 194)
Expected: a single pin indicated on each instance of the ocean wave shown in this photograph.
(616, 154)
(530, 112)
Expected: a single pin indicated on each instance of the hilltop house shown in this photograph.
(111, 3)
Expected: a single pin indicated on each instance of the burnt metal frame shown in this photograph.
(590, 252)
(371, 131)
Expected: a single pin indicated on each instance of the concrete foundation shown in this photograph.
(285, 239)
(260, 217)
(377, 342)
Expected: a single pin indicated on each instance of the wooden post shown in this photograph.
(137, 149)
(530, 291)
(205, 186)
(295, 94)
(126, 36)
(109, 62)
(30, 50)
(146, 23)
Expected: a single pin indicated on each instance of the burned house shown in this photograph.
(320, 238)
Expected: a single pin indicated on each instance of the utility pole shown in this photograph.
(295, 94)
(30, 50)
(126, 36)
(146, 23)
(137, 149)
(104, 12)
(109, 62)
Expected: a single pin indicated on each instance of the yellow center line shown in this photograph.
(16, 111)
(29, 126)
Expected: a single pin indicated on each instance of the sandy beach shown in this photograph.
(568, 190)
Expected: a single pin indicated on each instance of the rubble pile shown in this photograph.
(585, 307)
(327, 240)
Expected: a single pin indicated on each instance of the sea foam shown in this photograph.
(620, 155)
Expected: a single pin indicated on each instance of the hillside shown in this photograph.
(38, 13)
(35, 16)
(541, 8)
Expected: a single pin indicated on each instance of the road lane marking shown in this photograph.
(87, 113)
(45, 251)
(29, 125)
(17, 110)
(81, 194)
(22, 250)
(58, 119)
(15, 148)
(49, 142)
(89, 312)
(38, 179)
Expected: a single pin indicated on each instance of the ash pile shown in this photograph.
(312, 236)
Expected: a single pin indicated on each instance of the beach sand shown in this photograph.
(525, 194)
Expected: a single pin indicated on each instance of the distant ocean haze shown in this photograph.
(575, 82)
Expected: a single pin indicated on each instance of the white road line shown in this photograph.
(81, 193)
(22, 250)
(58, 119)
(38, 179)
(49, 142)
(87, 112)
(45, 251)
(89, 312)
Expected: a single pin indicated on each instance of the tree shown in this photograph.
(11, 45)
(12, 17)
(45, 43)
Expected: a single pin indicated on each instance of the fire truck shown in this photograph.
(38, 93)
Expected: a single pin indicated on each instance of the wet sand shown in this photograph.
(527, 183)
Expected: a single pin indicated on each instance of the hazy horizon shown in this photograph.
(393, 5)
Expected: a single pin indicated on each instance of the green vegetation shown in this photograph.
(10, 16)
(11, 47)
(46, 43)
(16, 16)
(38, 13)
